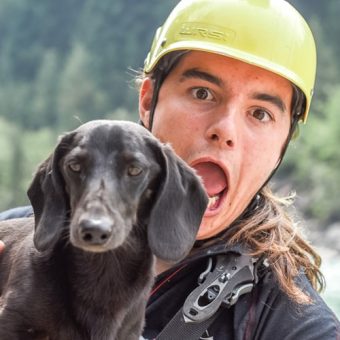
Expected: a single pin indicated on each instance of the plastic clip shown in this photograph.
(232, 276)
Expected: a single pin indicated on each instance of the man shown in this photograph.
(226, 83)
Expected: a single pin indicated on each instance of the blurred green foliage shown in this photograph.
(68, 61)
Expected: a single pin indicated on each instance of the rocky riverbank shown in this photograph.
(327, 242)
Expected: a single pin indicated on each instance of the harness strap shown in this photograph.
(232, 276)
(177, 328)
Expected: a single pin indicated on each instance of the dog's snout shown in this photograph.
(95, 231)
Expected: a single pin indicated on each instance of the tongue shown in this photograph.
(213, 177)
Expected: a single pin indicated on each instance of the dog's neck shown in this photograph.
(96, 268)
(102, 285)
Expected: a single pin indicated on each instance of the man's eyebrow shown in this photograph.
(196, 73)
(276, 100)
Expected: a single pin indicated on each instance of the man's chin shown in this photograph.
(207, 230)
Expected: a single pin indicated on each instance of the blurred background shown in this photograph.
(68, 61)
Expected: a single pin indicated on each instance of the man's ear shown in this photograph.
(145, 99)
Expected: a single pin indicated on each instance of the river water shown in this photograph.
(331, 270)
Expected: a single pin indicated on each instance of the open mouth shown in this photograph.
(214, 201)
(215, 183)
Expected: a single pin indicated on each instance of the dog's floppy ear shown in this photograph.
(49, 199)
(178, 209)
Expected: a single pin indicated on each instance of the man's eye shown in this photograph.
(202, 93)
(262, 115)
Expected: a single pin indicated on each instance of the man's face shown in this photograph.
(227, 119)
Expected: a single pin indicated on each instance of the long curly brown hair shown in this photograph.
(270, 231)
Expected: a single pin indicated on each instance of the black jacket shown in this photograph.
(266, 313)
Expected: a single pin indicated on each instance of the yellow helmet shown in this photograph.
(270, 34)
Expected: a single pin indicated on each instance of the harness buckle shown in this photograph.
(232, 277)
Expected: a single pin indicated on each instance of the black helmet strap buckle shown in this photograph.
(166, 64)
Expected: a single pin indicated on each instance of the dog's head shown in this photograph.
(108, 177)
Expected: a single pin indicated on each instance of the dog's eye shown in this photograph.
(75, 167)
(134, 170)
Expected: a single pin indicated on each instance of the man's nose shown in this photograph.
(223, 129)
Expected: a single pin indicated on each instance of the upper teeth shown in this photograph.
(213, 200)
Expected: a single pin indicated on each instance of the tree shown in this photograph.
(79, 97)
(45, 90)
(313, 162)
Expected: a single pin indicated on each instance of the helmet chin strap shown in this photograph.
(156, 87)
(157, 84)
(292, 129)
(298, 106)
(166, 64)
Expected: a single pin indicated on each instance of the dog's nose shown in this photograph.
(95, 231)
